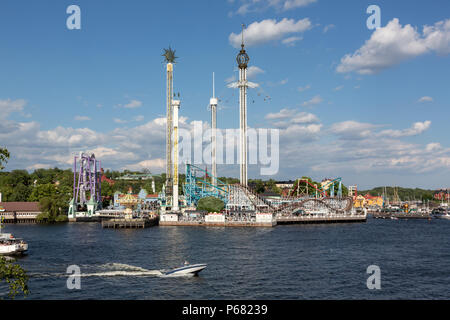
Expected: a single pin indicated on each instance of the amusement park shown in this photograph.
(181, 203)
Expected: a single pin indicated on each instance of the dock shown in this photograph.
(320, 220)
(218, 224)
(130, 223)
(387, 215)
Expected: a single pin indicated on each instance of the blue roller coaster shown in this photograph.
(330, 187)
(196, 188)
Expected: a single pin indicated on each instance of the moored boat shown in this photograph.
(9, 245)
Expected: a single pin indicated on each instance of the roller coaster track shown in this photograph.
(335, 205)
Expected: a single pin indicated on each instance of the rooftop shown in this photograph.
(20, 206)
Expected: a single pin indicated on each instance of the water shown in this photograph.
(286, 262)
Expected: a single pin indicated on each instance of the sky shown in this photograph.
(368, 105)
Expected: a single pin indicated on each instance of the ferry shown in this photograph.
(10, 246)
(186, 270)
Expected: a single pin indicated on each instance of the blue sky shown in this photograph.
(369, 106)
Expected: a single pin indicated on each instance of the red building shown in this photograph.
(442, 195)
(105, 179)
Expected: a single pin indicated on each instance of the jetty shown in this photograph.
(130, 223)
(390, 215)
(321, 219)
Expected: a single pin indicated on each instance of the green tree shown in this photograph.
(4, 156)
(53, 209)
(47, 190)
(211, 204)
(15, 276)
(20, 193)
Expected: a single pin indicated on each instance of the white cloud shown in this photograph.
(302, 89)
(426, 99)
(9, 106)
(339, 88)
(154, 164)
(352, 130)
(416, 129)
(349, 149)
(291, 4)
(393, 44)
(133, 104)
(328, 28)
(230, 79)
(314, 101)
(253, 71)
(248, 6)
(290, 42)
(269, 30)
(434, 146)
(82, 118)
(287, 119)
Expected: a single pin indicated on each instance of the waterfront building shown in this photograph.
(442, 195)
(285, 184)
(19, 212)
(368, 201)
(143, 197)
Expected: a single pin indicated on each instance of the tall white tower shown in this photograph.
(169, 124)
(242, 61)
(176, 108)
(213, 103)
(170, 58)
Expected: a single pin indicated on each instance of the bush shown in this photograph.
(61, 218)
(42, 218)
(46, 218)
(211, 204)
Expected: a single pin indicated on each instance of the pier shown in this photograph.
(130, 223)
(388, 215)
(218, 224)
(318, 219)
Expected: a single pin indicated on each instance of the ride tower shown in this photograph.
(242, 61)
(213, 104)
(170, 59)
(87, 194)
(176, 107)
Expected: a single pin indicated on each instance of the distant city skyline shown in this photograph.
(370, 106)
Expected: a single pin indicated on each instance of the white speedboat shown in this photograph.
(186, 270)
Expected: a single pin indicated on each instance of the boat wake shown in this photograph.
(117, 270)
(122, 270)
